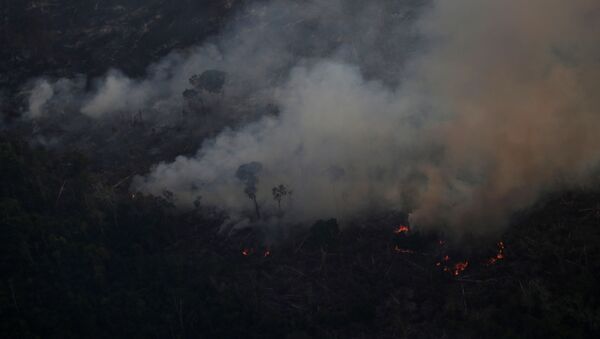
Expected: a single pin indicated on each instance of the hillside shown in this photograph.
(292, 169)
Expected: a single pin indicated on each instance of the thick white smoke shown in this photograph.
(340, 143)
(158, 94)
(513, 85)
(500, 108)
(498, 105)
(257, 50)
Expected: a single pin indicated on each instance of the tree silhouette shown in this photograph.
(278, 193)
(247, 173)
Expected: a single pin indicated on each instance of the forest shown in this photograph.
(290, 169)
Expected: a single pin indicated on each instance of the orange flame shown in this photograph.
(402, 229)
(454, 269)
(459, 267)
(498, 256)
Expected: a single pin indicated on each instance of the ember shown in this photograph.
(459, 267)
(402, 229)
(498, 256)
(455, 269)
(444, 260)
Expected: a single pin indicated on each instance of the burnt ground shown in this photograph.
(61, 38)
(53, 39)
(82, 257)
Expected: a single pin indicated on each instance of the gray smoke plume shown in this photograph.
(256, 50)
(460, 112)
(510, 86)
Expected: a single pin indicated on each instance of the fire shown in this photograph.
(445, 259)
(248, 251)
(499, 255)
(459, 267)
(402, 229)
(403, 250)
(455, 269)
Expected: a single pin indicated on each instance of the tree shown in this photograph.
(278, 193)
(247, 173)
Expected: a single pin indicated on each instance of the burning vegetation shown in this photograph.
(402, 229)
(99, 171)
(445, 263)
(453, 268)
(246, 252)
(459, 267)
(499, 255)
(367, 280)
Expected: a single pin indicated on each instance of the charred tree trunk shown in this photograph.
(256, 208)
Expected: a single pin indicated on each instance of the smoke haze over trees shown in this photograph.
(299, 169)
(460, 124)
(463, 127)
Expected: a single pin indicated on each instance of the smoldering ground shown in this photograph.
(459, 112)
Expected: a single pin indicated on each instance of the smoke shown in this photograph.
(331, 145)
(460, 112)
(41, 93)
(58, 96)
(256, 51)
(248, 174)
(511, 87)
(159, 93)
